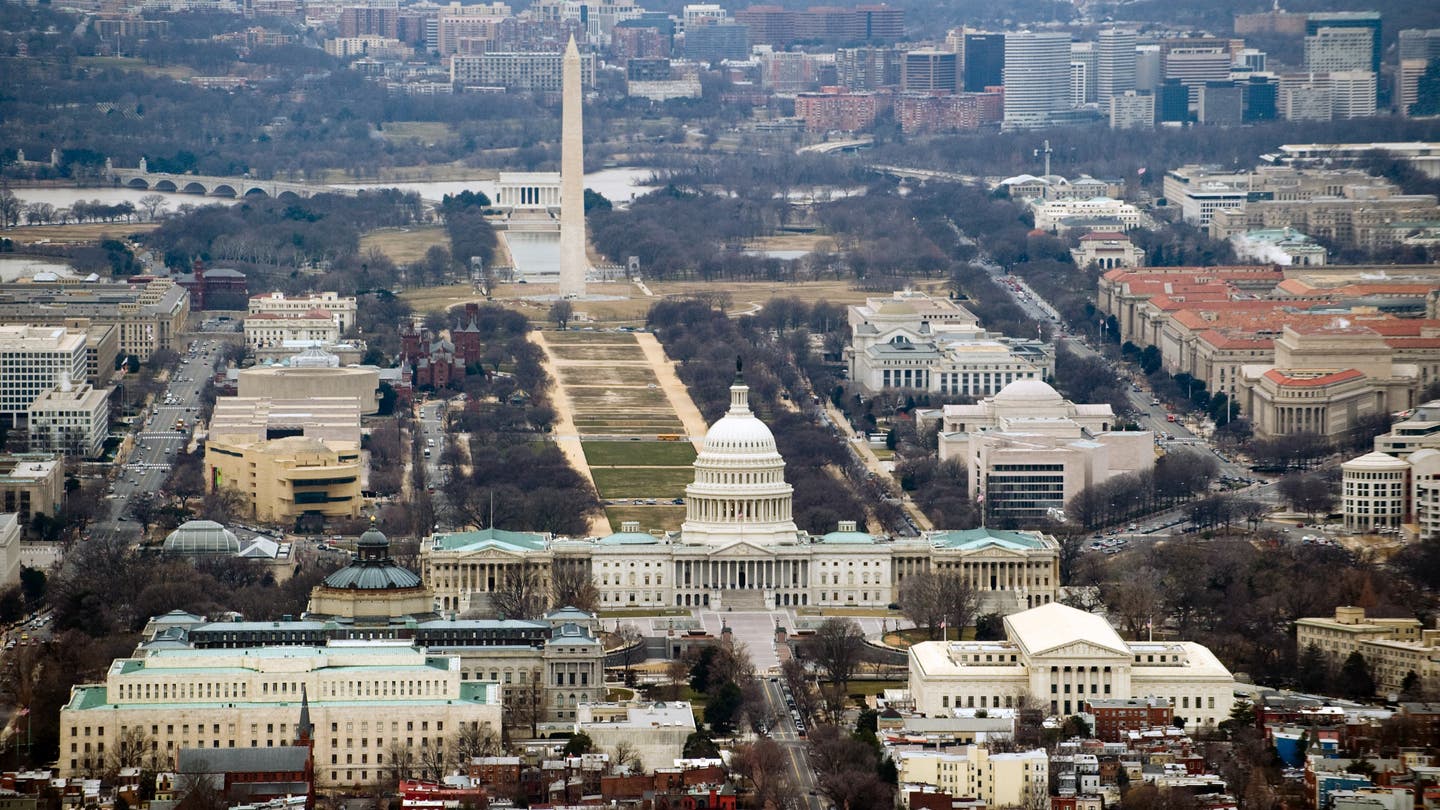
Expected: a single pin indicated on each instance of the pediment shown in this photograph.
(742, 550)
(491, 553)
(1080, 649)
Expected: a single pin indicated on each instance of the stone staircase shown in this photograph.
(743, 600)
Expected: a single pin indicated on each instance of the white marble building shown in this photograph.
(1058, 658)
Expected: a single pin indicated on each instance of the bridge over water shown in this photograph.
(232, 187)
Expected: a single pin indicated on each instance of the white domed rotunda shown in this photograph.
(739, 492)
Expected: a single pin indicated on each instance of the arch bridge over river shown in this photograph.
(232, 187)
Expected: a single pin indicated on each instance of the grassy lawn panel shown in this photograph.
(405, 245)
(664, 518)
(599, 351)
(638, 376)
(642, 482)
(639, 454)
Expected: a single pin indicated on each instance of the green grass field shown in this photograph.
(642, 482)
(639, 454)
(664, 518)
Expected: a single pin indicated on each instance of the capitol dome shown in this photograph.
(195, 538)
(1029, 392)
(739, 491)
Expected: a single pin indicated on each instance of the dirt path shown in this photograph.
(872, 463)
(675, 391)
(565, 434)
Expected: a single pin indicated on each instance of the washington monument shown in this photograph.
(573, 261)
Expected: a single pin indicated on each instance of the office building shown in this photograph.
(31, 485)
(9, 549)
(1149, 73)
(1368, 21)
(984, 55)
(1261, 98)
(1107, 251)
(930, 71)
(302, 380)
(534, 72)
(1029, 451)
(149, 312)
(1418, 48)
(710, 41)
(1193, 62)
(1172, 102)
(1220, 104)
(1132, 110)
(1084, 67)
(1037, 66)
(70, 419)
(655, 731)
(33, 360)
(359, 699)
(1331, 50)
(1062, 658)
(1115, 64)
(1396, 488)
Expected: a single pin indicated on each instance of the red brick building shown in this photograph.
(835, 110)
(1114, 719)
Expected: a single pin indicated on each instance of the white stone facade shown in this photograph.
(342, 307)
(1059, 657)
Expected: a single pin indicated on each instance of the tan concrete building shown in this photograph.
(341, 307)
(287, 479)
(1392, 647)
(31, 484)
(1060, 657)
(1028, 450)
(1396, 488)
(302, 383)
(9, 548)
(365, 698)
(288, 458)
(70, 419)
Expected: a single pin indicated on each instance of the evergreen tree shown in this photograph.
(1355, 679)
(1410, 686)
(1312, 671)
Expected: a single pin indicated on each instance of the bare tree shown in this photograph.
(765, 765)
(959, 601)
(152, 204)
(626, 758)
(920, 600)
(133, 749)
(522, 594)
(631, 644)
(434, 760)
(575, 587)
(838, 647)
(561, 312)
(401, 762)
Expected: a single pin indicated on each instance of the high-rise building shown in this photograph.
(1148, 72)
(769, 25)
(1260, 98)
(930, 71)
(1417, 49)
(34, 359)
(867, 68)
(710, 41)
(1221, 104)
(1114, 64)
(1084, 54)
(1333, 49)
(1132, 110)
(984, 61)
(1173, 102)
(1366, 20)
(1195, 62)
(882, 23)
(1037, 65)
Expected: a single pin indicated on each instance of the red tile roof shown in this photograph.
(1279, 377)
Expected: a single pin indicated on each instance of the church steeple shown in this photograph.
(304, 730)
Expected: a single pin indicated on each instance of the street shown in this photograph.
(158, 440)
(797, 753)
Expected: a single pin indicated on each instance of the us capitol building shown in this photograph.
(739, 548)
